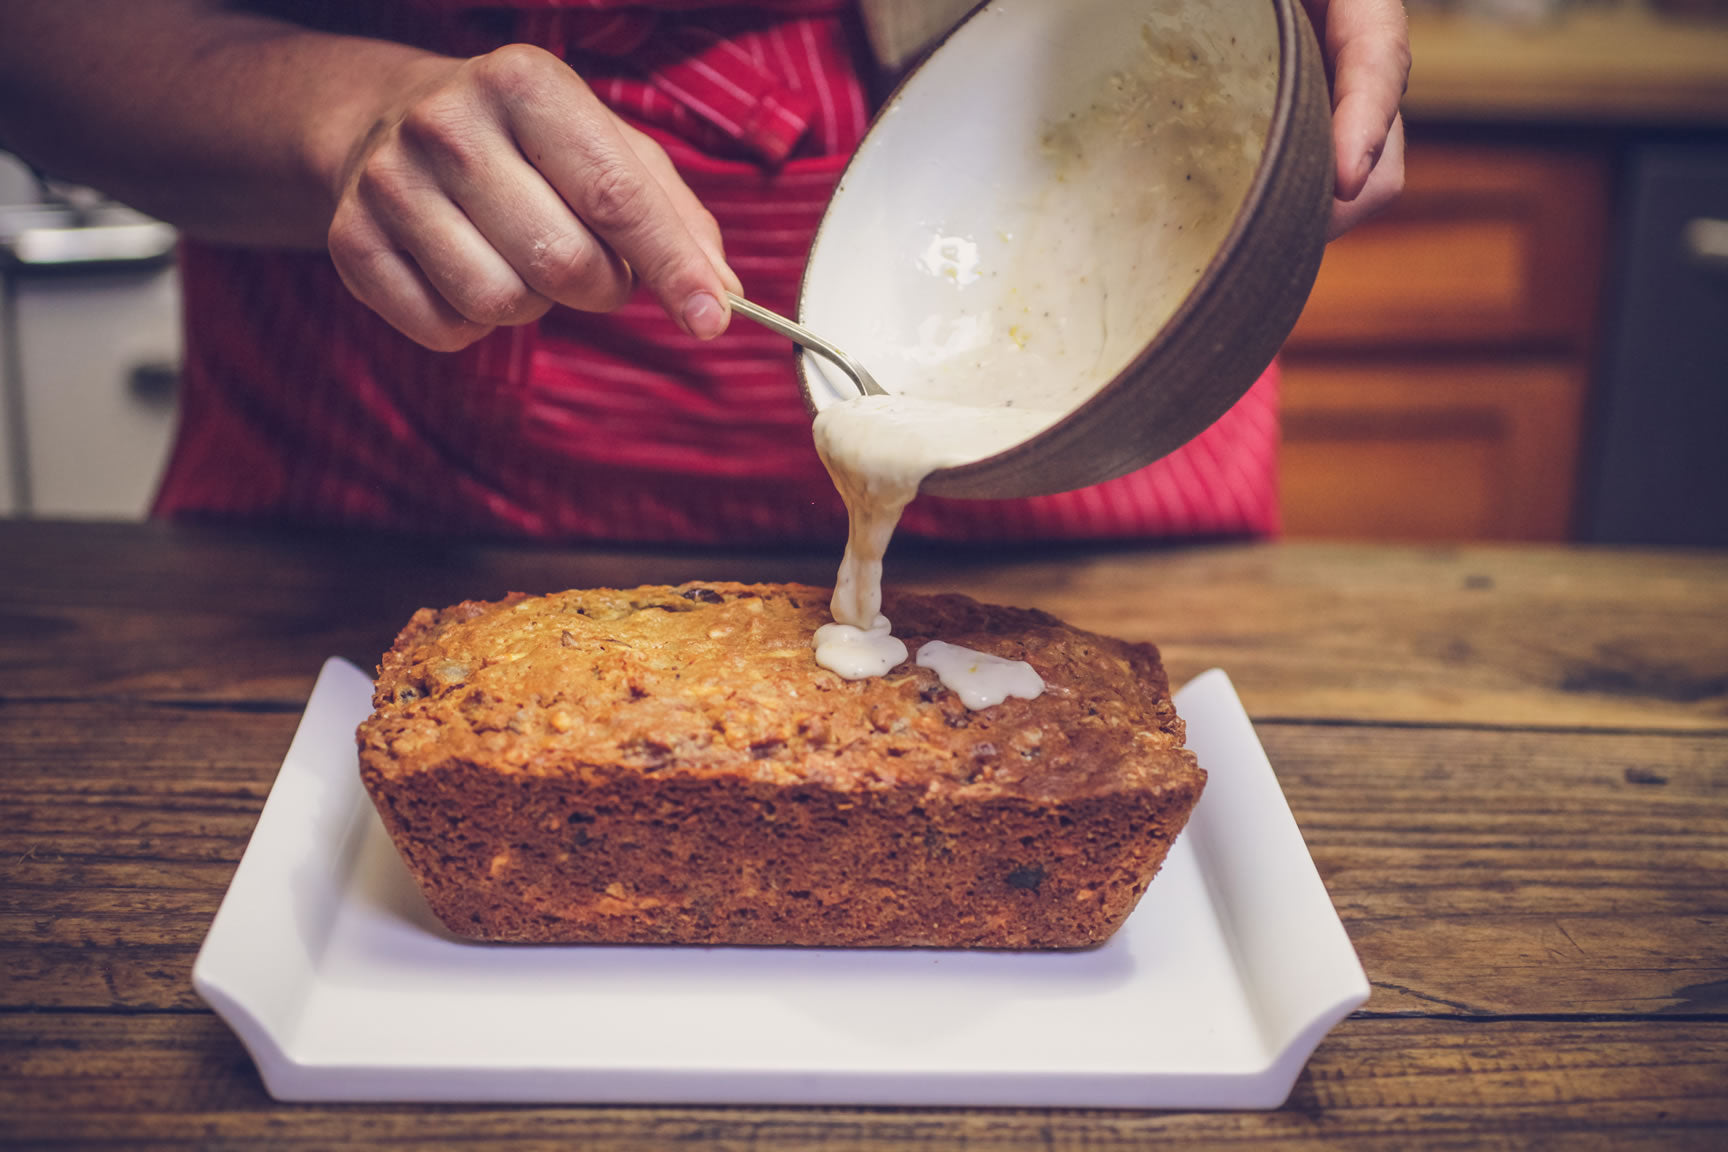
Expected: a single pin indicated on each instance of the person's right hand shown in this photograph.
(499, 186)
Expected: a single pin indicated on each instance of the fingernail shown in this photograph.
(703, 316)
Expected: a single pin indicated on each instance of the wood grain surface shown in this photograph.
(1510, 765)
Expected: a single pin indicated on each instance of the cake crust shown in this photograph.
(670, 765)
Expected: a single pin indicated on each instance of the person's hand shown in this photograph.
(1366, 46)
(499, 186)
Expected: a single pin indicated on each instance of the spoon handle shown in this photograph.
(798, 334)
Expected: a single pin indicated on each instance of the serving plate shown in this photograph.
(325, 961)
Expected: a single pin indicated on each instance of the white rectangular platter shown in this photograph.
(326, 962)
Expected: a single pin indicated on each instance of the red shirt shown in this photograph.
(301, 405)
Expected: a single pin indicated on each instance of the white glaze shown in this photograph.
(978, 678)
(878, 449)
(858, 653)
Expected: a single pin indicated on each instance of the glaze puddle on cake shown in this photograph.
(856, 653)
(979, 678)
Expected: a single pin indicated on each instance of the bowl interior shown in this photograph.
(1040, 196)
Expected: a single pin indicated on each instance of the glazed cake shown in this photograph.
(669, 765)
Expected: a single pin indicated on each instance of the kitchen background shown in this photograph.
(1531, 345)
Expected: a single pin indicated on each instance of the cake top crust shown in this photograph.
(718, 679)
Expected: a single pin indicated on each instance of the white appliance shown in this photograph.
(89, 351)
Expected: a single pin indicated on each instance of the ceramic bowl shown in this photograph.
(1110, 210)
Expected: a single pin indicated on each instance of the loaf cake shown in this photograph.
(670, 765)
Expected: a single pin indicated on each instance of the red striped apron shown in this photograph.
(300, 405)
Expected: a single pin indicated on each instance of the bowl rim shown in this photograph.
(962, 478)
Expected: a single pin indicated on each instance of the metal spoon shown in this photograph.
(801, 335)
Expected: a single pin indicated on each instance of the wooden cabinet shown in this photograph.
(1436, 383)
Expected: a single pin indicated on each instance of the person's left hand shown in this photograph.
(1366, 46)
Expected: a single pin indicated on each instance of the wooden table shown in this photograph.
(1511, 766)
